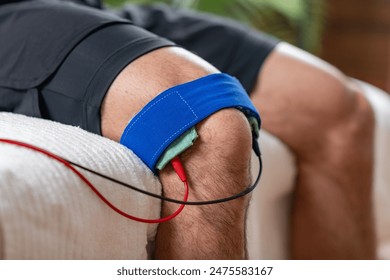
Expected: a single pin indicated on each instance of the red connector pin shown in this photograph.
(179, 169)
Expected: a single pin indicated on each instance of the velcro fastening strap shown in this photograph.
(174, 111)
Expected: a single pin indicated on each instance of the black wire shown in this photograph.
(215, 201)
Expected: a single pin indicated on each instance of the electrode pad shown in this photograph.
(173, 112)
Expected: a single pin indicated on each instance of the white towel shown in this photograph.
(46, 212)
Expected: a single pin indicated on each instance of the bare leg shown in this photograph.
(327, 123)
(217, 165)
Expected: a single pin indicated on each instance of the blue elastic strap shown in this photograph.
(179, 108)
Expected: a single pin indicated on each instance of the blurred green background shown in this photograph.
(299, 22)
(353, 35)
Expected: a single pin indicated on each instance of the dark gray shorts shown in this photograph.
(59, 59)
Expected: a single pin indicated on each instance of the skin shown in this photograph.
(312, 107)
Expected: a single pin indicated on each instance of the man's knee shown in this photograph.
(221, 155)
(314, 106)
(218, 164)
(346, 122)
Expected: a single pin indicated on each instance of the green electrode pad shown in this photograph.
(177, 147)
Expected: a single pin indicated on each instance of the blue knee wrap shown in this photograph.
(174, 111)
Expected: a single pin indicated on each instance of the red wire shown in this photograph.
(85, 180)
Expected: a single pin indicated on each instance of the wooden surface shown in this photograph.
(357, 39)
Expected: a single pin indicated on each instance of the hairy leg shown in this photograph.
(217, 165)
(320, 114)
